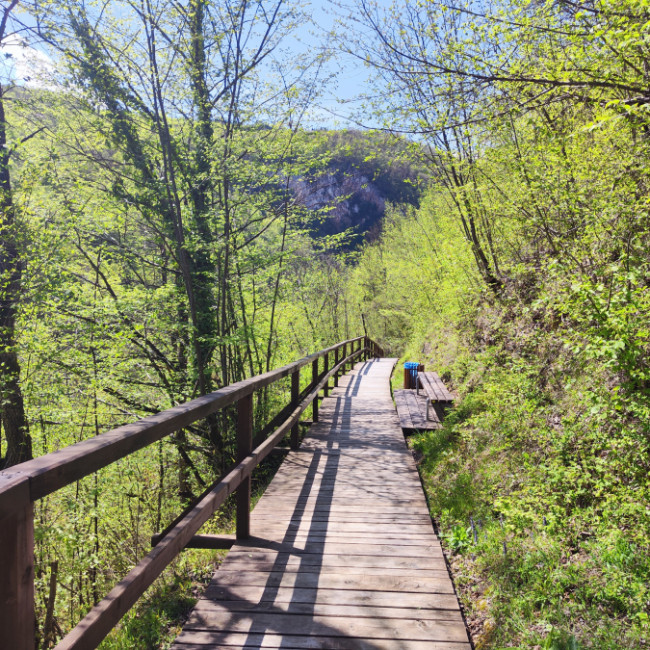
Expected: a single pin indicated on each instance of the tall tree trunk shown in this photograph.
(12, 409)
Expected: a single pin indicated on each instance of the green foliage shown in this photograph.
(459, 538)
(528, 291)
(555, 539)
(156, 621)
(547, 450)
(559, 640)
(165, 256)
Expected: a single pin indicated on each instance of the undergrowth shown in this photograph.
(159, 616)
(543, 512)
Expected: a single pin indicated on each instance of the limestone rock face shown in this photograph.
(350, 200)
(364, 174)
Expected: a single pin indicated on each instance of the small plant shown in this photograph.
(459, 539)
(560, 640)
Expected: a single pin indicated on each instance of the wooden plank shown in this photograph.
(414, 407)
(339, 516)
(294, 565)
(403, 410)
(217, 591)
(295, 395)
(244, 557)
(351, 461)
(359, 548)
(329, 626)
(339, 491)
(388, 500)
(443, 389)
(352, 528)
(317, 580)
(244, 448)
(428, 387)
(270, 530)
(299, 508)
(320, 609)
(418, 418)
(17, 616)
(433, 386)
(382, 483)
(419, 402)
(199, 640)
(301, 540)
(326, 389)
(326, 484)
(335, 504)
(314, 379)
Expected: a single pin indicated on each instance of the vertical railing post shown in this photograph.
(336, 362)
(244, 448)
(17, 618)
(314, 381)
(326, 366)
(295, 394)
(345, 354)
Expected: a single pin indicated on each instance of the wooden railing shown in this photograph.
(23, 484)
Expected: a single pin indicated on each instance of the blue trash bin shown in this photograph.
(412, 367)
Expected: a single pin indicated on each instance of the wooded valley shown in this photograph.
(173, 221)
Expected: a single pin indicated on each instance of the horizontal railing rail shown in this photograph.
(23, 484)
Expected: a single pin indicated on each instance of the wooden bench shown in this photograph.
(436, 391)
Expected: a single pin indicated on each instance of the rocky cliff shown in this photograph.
(365, 172)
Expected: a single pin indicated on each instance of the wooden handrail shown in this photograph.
(25, 483)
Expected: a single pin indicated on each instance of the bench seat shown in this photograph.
(435, 390)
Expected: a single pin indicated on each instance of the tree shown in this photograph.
(12, 409)
(414, 49)
(184, 134)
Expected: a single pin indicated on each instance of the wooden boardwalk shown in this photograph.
(343, 554)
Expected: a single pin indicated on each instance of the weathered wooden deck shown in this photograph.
(343, 554)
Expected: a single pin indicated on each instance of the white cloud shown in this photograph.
(25, 65)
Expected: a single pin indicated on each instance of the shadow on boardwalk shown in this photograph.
(343, 554)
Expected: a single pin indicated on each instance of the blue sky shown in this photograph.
(352, 77)
(337, 100)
